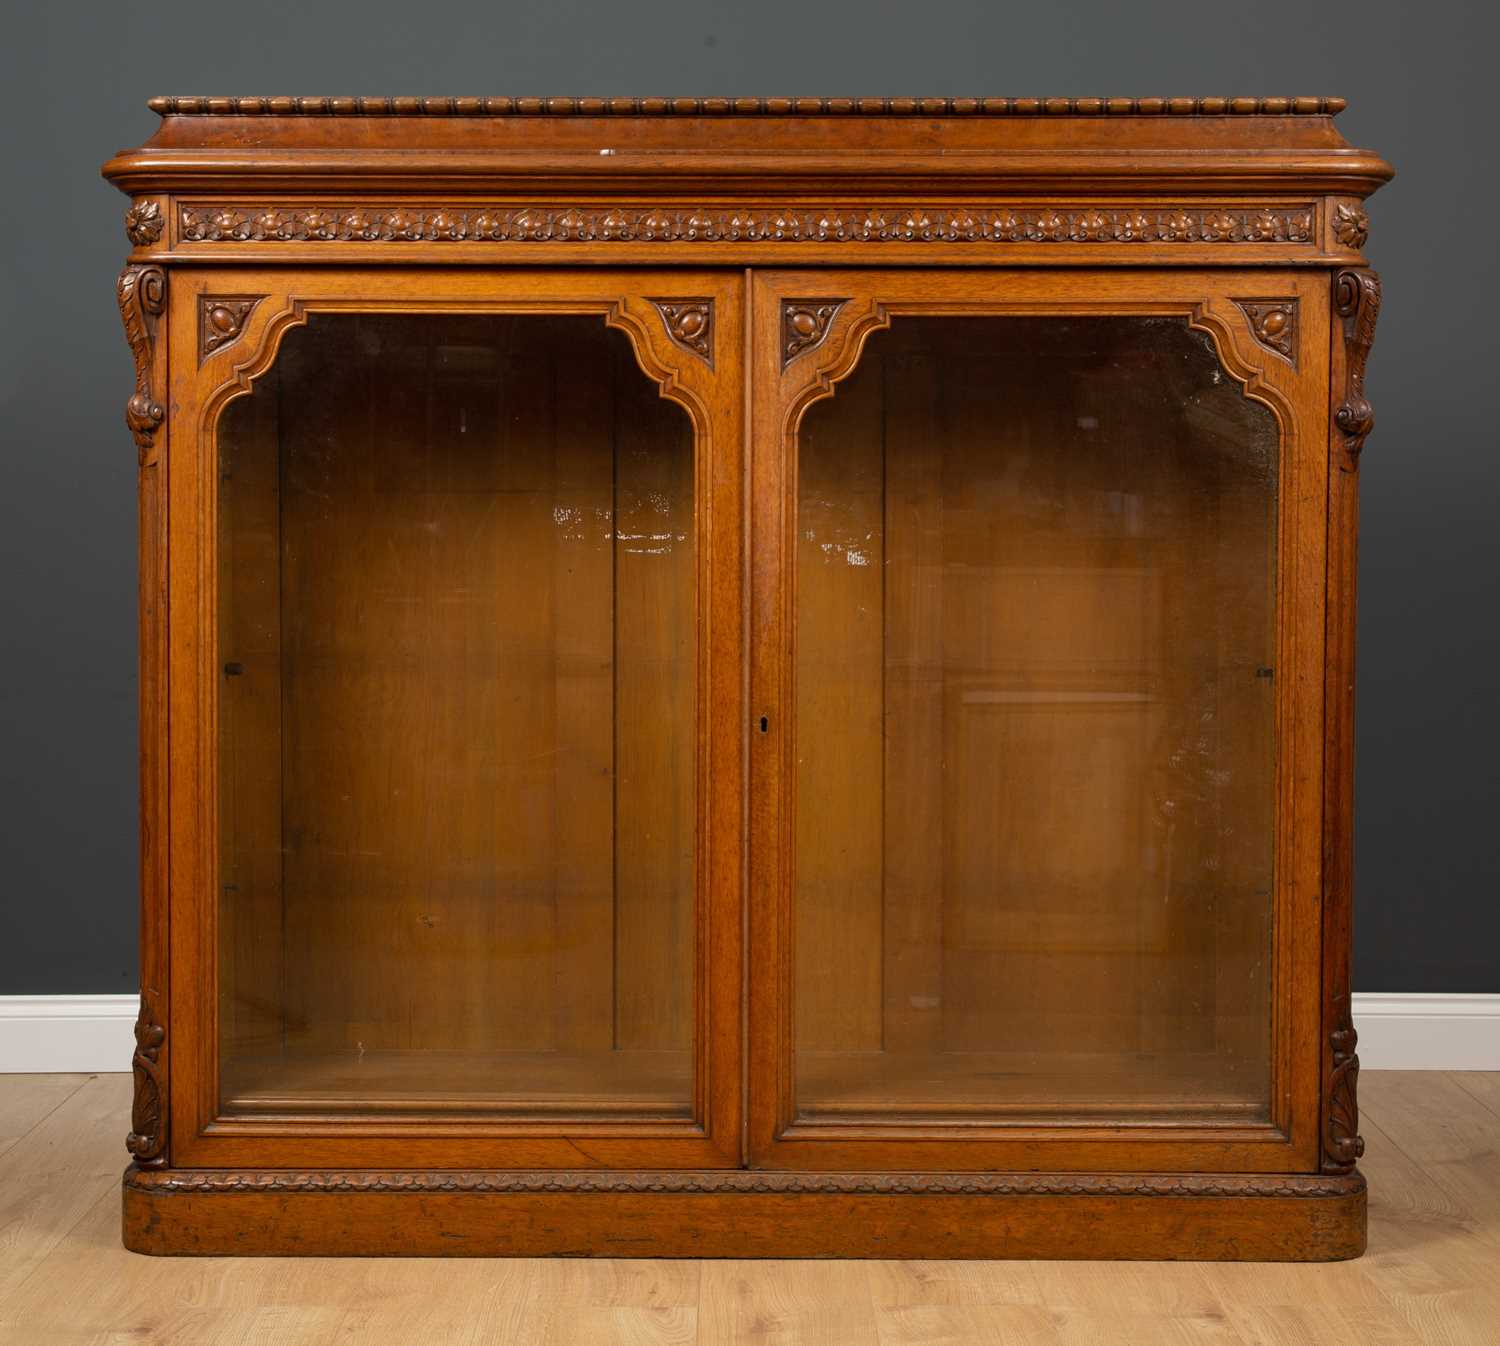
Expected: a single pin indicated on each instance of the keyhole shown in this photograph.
(765, 724)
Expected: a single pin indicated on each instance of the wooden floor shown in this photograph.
(1432, 1273)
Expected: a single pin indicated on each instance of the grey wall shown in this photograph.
(1419, 80)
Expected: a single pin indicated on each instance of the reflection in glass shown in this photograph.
(456, 635)
(1034, 728)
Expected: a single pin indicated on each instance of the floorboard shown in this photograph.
(27, 1100)
(1432, 1274)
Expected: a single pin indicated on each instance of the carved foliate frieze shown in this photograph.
(221, 319)
(142, 292)
(1356, 300)
(805, 324)
(752, 1182)
(147, 1140)
(758, 223)
(690, 323)
(144, 223)
(1273, 323)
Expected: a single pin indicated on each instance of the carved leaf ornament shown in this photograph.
(1274, 324)
(804, 325)
(147, 1140)
(689, 323)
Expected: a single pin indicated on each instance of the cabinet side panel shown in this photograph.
(143, 296)
(1356, 305)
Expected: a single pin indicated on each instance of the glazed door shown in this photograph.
(465, 610)
(1036, 622)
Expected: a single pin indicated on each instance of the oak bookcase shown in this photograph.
(743, 677)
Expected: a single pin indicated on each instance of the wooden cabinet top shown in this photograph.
(691, 179)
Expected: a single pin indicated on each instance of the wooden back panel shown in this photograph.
(1035, 747)
(473, 540)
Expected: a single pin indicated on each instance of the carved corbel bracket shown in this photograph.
(1342, 1143)
(1356, 299)
(147, 1140)
(690, 323)
(142, 292)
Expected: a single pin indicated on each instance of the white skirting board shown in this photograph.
(95, 1033)
(1412, 1031)
(84, 1034)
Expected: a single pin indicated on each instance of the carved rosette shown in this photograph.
(147, 1140)
(142, 292)
(1273, 323)
(690, 323)
(1356, 299)
(1351, 226)
(752, 223)
(221, 319)
(1342, 1143)
(144, 223)
(805, 324)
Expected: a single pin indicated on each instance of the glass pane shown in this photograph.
(457, 724)
(1034, 728)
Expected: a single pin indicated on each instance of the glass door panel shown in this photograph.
(1034, 762)
(457, 656)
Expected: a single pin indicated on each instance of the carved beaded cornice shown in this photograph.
(141, 292)
(690, 323)
(147, 1140)
(749, 1181)
(757, 223)
(746, 107)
